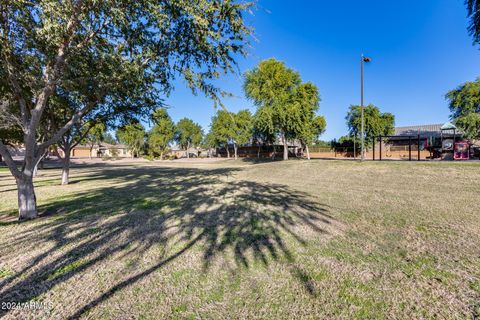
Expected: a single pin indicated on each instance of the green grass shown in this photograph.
(65, 269)
(6, 273)
(277, 240)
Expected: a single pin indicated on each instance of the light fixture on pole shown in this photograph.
(363, 59)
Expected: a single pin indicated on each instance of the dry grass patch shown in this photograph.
(297, 239)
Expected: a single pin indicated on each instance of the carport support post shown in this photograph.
(380, 141)
(418, 148)
(354, 149)
(373, 148)
(409, 148)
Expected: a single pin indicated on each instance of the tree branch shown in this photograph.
(7, 49)
(82, 137)
(93, 33)
(75, 118)
(52, 74)
(9, 160)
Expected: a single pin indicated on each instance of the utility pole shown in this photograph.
(363, 59)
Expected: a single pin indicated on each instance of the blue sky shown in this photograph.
(420, 49)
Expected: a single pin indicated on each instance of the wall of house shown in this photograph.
(386, 154)
(122, 153)
(80, 153)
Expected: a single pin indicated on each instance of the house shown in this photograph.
(99, 150)
(113, 150)
(177, 152)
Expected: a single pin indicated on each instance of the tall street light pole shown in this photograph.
(363, 59)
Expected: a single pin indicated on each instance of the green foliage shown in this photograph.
(464, 103)
(162, 133)
(109, 60)
(323, 144)
(228, 127)
(222, 128)
(243, 127)
(114, 152)
(312, 129)
(348, 142)
(209, 141)
(286, 107)
(188, 133)
(10, 135)
(271, 86)
(376, 122)
(263, 126)
(94, 133)
(109, 138)
(133, 135)
(473, 8)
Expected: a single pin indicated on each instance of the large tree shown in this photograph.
(376, 122)
(133, 135)
(222, 129)
(126, 100)
(44, 44)
(464, 103)
(286, 105)
(242, 129)
(231, 128)
(311, 131)
(209, 143)
(305, 125)
(162, 133)
(188, 134)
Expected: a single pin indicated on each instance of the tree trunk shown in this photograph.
(228, 151)
(161, 155)
(66, 166)
(27, 202)
(90, 154)
(188, 147)
(285, 149)
(235, 148)
(308, 151)
(258, 152)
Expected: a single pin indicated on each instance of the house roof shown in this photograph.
(426, 130)
(113, 146)
(429, 129)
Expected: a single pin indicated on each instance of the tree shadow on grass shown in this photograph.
(167, 207)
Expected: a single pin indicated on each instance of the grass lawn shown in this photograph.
(296, 239)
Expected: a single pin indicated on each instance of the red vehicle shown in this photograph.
(461, 150)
